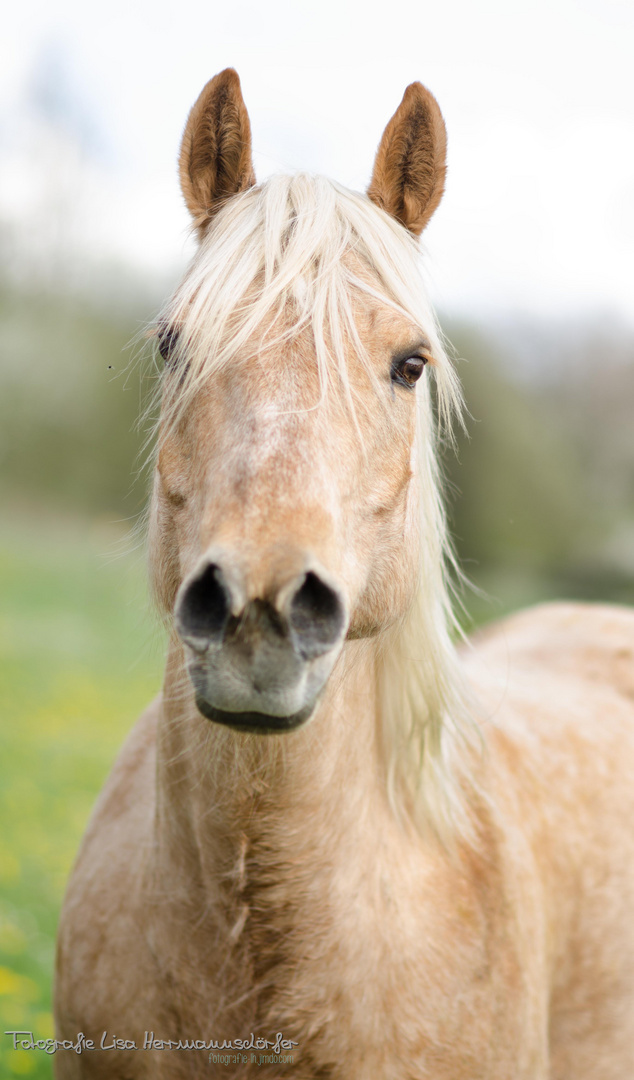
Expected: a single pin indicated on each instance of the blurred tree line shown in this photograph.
(541, 491)
(70, 401)
(543, 484)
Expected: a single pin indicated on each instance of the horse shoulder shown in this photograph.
(555, 693)
(554, 697)
(102, 956)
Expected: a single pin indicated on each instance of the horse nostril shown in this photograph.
(203, 608)
(312, 622)
(316, 617)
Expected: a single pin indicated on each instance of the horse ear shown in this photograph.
(409, 169)
(215, 159)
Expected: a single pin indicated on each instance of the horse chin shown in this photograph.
(254, 723)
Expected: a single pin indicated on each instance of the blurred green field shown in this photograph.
(80, 655)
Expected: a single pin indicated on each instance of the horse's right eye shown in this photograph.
(167, 341)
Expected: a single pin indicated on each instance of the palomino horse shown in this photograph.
(333, 831)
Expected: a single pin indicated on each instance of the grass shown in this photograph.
(80, 656)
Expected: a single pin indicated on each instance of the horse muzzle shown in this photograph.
(258, 663)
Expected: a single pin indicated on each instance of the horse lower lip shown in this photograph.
(253, 722)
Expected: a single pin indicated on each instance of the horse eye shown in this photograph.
(167, 341)
(408, 371)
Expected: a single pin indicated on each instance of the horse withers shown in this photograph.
(336, 846)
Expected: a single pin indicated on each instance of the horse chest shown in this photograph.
(363, 989)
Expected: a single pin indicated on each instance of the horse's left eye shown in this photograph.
(408, 371)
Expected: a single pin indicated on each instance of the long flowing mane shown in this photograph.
(293, 254)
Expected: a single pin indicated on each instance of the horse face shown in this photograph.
(285, 510)
(286, 514)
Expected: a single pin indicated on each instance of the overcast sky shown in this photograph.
(538, 98)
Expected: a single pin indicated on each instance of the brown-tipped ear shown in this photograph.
(409, 169)
(215, 159)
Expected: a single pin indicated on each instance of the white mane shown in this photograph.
(285, 246)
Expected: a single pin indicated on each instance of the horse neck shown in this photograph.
(224, 798)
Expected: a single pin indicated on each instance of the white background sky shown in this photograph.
(538, 99)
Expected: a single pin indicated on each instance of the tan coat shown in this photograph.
(238, 879)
